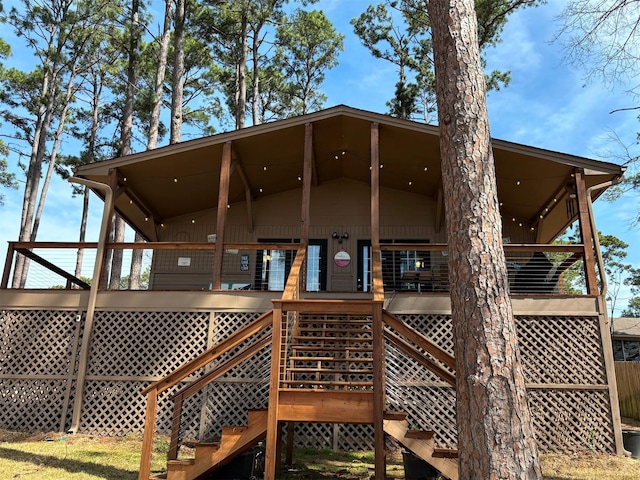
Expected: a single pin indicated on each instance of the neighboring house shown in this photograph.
(320, 237)
(626, 339)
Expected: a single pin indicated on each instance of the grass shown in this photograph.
(83, 457)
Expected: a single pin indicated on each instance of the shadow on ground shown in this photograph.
(40, 462)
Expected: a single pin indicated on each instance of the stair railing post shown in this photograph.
(149, 433)
(379, 393)
(271, 440)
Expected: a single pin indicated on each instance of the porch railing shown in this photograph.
(405, 267)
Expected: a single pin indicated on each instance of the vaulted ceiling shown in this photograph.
(181, 179)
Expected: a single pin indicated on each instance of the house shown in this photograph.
(626, 339)
(321, 237)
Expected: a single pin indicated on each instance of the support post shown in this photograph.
(271, 440)
(221, 220)
(586, 233)
(379, 393)
(149, 432)
(375, 186)
(306, 183)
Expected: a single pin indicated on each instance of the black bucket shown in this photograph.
(417, 469)
(631, 441)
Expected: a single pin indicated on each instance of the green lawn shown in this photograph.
(82, 457)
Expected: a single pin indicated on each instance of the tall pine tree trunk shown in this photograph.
(126, 135)
(495, 432)
(241, 72)
(178, 72)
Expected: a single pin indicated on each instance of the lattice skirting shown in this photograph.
(39, 358)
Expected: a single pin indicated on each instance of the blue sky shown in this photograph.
(547, 105)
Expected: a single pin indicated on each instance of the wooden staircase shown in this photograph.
(329, 352)
(210, 456)
(422, 444)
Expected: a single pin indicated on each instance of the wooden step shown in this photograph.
(335, 330)
(445, 453)
(331, 349)
(419, 434)
(206, 448)
(322, 371)
(327, 383)
(394, 415)
(332, 359)
(303, 338)
(334, 321)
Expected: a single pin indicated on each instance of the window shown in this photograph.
(394, 265)
(273, 266)
(626, 350)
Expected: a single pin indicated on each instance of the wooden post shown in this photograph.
(306, 183)
(291, 430)
(375, 186)
(272, 417)
(378, 393)
(149, 432)
(7, 266)
(223, 199)
(587, 234)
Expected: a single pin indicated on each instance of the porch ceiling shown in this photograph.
(182, 179)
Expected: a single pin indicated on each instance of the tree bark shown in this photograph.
(178, 72)
(241, 73)
(495, 433)
(152, 141)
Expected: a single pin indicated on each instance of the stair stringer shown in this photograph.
(421, 447)
(233, 442)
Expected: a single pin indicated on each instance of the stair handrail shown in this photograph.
(211, 354)
(178, 398)
(417, 338)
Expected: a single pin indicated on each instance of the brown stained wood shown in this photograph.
(586, 234)
(291, 289)
(423, 342)
(306, 184)
(394, 415)
(149, 432)
(221, 217)
(326, 406)
(211, 354)
(419, 357)
(290, 442)
(375, 185)
(7, 265)
(420, 434)
(247, 194)
(421, 447)
(274, 386)
(445, 453)
(379, 400)
(354, 307)
(376, 275)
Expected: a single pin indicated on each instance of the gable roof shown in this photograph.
(180, 179)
